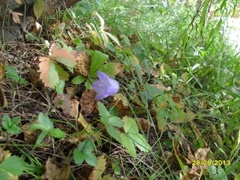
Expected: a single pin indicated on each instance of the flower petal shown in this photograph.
(105, 86)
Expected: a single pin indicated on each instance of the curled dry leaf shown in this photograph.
(69, 106)
(30, 136)
(83, 63)
(16, 17)
(122, 105)
(87, 102)
(144, 124)
(53, 172)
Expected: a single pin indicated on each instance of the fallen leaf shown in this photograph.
(48, 73)
(144, 124)
(84, 123)
(30, 136)
(53, 172)
(69, 106)
(122, 105)
(16, 17)
(99, 169)
(3, 99)
(18, 2)
(87, 102)
(82, 63)
(2, 73)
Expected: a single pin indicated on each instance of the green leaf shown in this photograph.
(44, 120)
(63, 75)
(98, 59)
(140, 142)
(60, 87)
(11, 125)
(128, 144)
(78, 157)
(103, 112)
(57, 133)
(130, 126)
(12, 74)
(114, 121)
(114, 132)
(4, 175)
(84, 152)
(112, 68)
(38, 8)
(91, 159)
(40, 138)
(113, 38)
(14, 165)
(78, 79)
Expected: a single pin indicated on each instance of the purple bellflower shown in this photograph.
(105, 86)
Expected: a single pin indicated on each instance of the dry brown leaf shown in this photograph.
(87, 102)
(53, 172)
(178, 102)
(72, 91)
(30, 136)
(161, 87)
(99, 169)
(83, 63)
(68, 106)
(144, 124)
(122, 105)
(3, 99)
(2, 73)
(16, 17)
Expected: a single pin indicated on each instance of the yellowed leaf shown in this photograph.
(18, 2)
(3, 99)
(48, 73)
(84, 123)
(99, 169)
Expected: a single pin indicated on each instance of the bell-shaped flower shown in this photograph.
(105, 86)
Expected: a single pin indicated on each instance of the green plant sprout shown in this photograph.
(11, 125)
(84, 152)
(47, 128)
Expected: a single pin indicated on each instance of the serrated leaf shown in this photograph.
(78, 79)
(98, 59)
(60, 87)
(130, 126)
(140, 142)
(48, 72)
(12, 74)
(14, 165)
(44, 120)
(114, 121)
(57, 133)
(11, 125)
(84, 152)
(64, 56)
(99, 169)
(91, 159)
(128, 144)
(38, 8)
(78, 157)
(114, 133)
(103, 112)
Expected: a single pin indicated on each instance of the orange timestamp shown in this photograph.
(211, 162)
